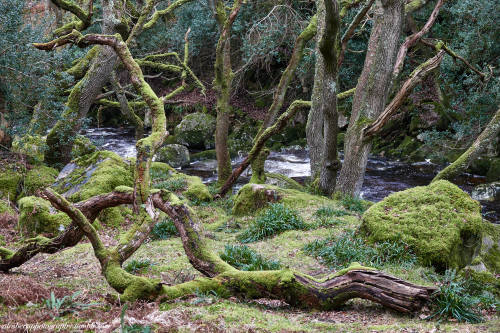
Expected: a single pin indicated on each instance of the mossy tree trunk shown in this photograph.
(61, 137)
(371, 92)
(327, 100)
(489, 134)
(223, 86)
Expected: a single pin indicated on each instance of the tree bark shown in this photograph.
(371, 92)
(223, 86)
(478, 147)
(61, 137)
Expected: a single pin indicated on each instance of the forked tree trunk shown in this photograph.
(371, 92)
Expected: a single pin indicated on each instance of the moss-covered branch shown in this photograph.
(489, 134)
(84, 18)
(164, 12)
(413, 39)
(261, 140)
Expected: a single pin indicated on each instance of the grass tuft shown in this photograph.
(348, 247)
(164, 230)
(246, 259)
(273, 221)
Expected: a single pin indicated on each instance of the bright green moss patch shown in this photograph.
(39, 178)
(94, 174)
(36, 217)
(9, 182)
(439, 222)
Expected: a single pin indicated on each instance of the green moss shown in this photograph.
(440, 222)
(94, 174)
(39, 178)
(36, 217)
(253, 197)
(9, 183)
(196, 130)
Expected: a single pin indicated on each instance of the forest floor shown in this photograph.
(23, 291)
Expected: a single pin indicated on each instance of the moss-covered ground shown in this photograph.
(76, 269)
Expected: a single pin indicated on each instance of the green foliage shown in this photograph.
(137, 266)
(66, 304)
(29, 78)
(327, 216)
(164, 230)
(348, 247)
(246, 259)
(453, 300)
(276, 219)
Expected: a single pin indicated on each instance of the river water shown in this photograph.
(382, 178)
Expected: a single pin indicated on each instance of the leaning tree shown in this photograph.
(295, 288)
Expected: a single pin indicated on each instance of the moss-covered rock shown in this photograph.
(10, 181)
(39, 178)
(175, 155)
(196, 130)
(253, 197)
(488, 257)
(93, 174)
(440, 222)
(487, 192)
(36, 216)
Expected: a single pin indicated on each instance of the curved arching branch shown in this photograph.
(416, 77)
(413, 39)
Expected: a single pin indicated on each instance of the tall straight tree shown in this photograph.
(222, 83)
(371, 91)
(322, 125)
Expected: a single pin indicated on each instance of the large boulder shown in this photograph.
(94, 174)
(175, 155)
(440, 222)
(196, 130)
